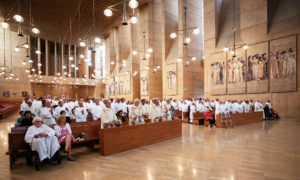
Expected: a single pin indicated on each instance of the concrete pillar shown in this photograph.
(151, 23)
(191, 76)
(83, 67)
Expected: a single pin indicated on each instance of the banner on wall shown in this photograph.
(144, 83)
(283, 60)
(110, 86)
(217, 73)
(125, 84)
(172, 79)
(236, 72)
(258, 71)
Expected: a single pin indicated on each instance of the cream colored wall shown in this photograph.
(254, 29)
(14, 87)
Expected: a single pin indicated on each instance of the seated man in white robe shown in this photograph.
(155, 111)
(108, 116)
(167, 110)
(135, 113)
(43, 140)
(47, 114)
(80, 112)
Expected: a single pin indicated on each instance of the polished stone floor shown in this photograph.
(266, 150)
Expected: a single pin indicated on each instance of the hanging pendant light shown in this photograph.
(133, 4)
(82, 44)
(108, 12)
(18, 18)
(133, 20)
(35, 30)
(5, 25)
(97, 40)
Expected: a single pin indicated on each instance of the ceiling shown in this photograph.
(52, 17)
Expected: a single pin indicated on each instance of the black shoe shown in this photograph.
(46, 161)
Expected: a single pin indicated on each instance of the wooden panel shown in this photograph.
(115, 140)
(242, 118)
(185, 117)
(177, 113)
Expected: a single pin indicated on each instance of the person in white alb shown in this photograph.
(47, 114)
(239, 107)
(184, 107)
(96, 110)
(135, 113)
(155, 111)
(24, 104)
(80, 113)
(123, 107)
(193, 109)
(144, 109)
(108, 116)
(167, 110)
(42, 139)
(58, 109)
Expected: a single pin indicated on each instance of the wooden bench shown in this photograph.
(197, 116)
(9, 107)
(185, 117)
(242, 118)
(119, 139)
(177, 114)
(17, 144)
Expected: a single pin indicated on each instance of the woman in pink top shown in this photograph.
(208, 117)
(64, 133)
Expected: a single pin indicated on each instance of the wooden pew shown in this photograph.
(242, 118)
(16, 142)
(197, 116)
(177, 113)
(185, 117)
(119, 139)
(11, 108)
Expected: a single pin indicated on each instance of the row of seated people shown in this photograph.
(232, 107)
(49, 109)
(137, 111)
(46, 141)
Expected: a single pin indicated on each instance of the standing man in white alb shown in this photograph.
(47, 113)
(135, 113)
(80, 112)
(155, 111)
(108, 116)
(96, 110)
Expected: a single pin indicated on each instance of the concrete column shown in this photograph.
(83, 67)
(151, 22)
(191, 76)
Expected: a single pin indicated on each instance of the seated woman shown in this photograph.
(208, 117)
(27, 120)
(64, 133)
(22, 115)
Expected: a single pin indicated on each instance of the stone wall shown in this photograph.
(259, 21)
